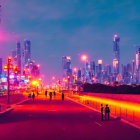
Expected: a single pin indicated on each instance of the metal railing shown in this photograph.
(118, 112)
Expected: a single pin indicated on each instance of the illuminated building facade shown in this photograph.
(66, 66)
(18, 52)
(138, 64)
(27, 51)
(116, 57)
(92, 68)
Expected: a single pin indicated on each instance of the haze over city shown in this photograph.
(69, 70)
(70, 27)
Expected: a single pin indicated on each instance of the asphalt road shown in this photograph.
(61, 120)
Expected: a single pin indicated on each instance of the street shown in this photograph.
(61, 120)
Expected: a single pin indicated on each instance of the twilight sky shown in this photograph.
(70, 27)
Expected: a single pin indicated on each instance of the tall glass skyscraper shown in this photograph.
(18, 57)
(116, 57)
(27, 51)
(138, 64)
(66, 65)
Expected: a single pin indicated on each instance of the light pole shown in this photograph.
(8, 82)
(84, 58)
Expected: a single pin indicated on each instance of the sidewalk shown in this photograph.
(14, 100)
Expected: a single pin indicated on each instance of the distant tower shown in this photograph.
(100, 65)
(18, 52)
(14, 56)
(66, 65)
(79, 74)
(138, 64)
(100, 62)
(27, 51)
(116, 50)
(133, 66)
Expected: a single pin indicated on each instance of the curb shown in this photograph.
(124, 121)
(12, 107)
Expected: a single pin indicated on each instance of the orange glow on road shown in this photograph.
(122, 104)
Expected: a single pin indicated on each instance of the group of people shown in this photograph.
(50, 94)
(106, 110)
(53, 93)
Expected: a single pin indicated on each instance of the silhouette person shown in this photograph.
(33, 96)
(46, 93)
(50, 96)
(102, 109)
(107, 112)
(62, 96)
(54, 94)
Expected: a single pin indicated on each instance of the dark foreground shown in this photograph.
(61, 120)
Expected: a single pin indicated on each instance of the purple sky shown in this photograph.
(70, 27)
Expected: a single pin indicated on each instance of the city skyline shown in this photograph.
(71, 34)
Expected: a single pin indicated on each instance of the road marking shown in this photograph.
(98, 123)
(51, 110)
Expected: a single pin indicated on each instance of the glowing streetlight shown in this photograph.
(84, 58)
(35, 83)
(8, 81)
(75, 69)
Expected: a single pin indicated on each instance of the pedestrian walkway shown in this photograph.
(65, 120)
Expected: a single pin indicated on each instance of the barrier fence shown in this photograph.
(120, 110)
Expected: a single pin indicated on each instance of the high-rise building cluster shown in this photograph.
(23, 68)
(93, 72)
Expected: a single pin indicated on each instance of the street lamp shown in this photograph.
(84, 58)
(36, 84)
(65, 81)
(8, 71)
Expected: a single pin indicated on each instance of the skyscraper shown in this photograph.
(18, 57)
(133, 66)
(66, 65)
(79, 74)
(92, 68)
(27, 51)
(116, 57)
(138, 64)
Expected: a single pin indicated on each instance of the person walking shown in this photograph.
(62, 96)
(107, 112)
(33, 96)
(50, 96)
(102, 109)
(46, 93)
(54, 93)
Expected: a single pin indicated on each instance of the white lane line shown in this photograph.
(98, 123)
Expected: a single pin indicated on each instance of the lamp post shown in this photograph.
(84, 58)
(8, 82)
(35, 83)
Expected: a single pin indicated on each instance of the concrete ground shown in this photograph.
(61, 120)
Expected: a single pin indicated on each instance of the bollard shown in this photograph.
(120, 112)
(126, 114)
(133, 116)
